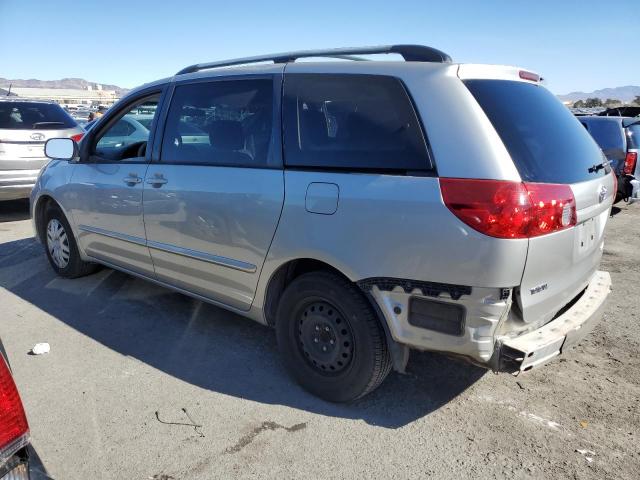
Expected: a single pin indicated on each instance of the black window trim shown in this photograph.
(275, 152)
(430, 169)
(87, 152)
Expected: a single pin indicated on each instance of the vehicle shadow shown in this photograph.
(210, 347)
(14, 210)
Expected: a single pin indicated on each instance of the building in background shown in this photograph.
(67, 96)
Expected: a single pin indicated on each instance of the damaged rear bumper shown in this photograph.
(536, 348)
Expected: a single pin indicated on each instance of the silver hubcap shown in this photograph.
(58, 243)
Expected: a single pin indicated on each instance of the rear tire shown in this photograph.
(330, 338)
(61, 247)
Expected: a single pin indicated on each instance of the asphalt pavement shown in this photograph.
(144, 383)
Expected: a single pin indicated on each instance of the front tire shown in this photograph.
(61, 247)
(330, 338)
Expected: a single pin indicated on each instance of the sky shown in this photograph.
(575, 45)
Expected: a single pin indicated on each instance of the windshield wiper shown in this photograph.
(598, 166)
(46, 124)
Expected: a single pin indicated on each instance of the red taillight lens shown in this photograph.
(553, 208)
(505, 209)
(495, 208)
(13, 422)
(630, 163)
(77, 137)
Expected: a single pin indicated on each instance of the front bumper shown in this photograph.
(536, 348)
(15, 184)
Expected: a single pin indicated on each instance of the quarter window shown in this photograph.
(225, 123)
(358, 122)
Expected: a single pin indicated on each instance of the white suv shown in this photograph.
(25, 126)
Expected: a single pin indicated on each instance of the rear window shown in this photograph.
(353, 122)
(607, 133)
(545, 141)
(32, 115)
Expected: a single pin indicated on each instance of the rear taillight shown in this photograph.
(504, 209)
(14, 428)
(77, 137)
(630, 163)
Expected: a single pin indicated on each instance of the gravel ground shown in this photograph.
(133, 367)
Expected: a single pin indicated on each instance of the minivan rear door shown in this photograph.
(548, 145)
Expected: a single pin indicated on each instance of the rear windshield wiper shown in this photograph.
(47, 124)
(598, 166)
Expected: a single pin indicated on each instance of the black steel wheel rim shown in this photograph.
(325, 337)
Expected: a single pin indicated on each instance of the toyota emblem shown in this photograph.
(37, 137)
(602, 193)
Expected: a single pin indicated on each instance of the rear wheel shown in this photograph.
(330, 338)
(61, 247)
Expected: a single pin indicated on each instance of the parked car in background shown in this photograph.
(144, 118)
(362, 209)
(25, 126)
(14, 429)
(622, 111)
(125, 131)
(619, 139)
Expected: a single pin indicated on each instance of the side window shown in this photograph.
(355, 122)
(226, 122)
(126, 139)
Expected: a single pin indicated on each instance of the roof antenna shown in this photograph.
(9, 92)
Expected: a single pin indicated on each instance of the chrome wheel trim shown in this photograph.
(58, 243)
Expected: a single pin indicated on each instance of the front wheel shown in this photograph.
(61, 247)
(330, 338)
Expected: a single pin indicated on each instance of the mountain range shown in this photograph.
(79, 83)
(625, 94)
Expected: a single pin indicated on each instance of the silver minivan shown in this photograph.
(362, 208)
(25, 126)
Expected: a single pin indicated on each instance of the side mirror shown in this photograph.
(61, 149)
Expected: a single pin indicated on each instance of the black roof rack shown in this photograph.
(410, 53)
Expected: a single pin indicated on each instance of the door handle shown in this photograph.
(157, 180)
(132, 179)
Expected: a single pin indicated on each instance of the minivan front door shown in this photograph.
(213, 200)
(108, 187)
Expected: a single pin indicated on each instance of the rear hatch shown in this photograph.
(548, 145)
(24, 129)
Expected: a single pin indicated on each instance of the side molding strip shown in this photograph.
(206, 257)
(185, 252)
(109, 233)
